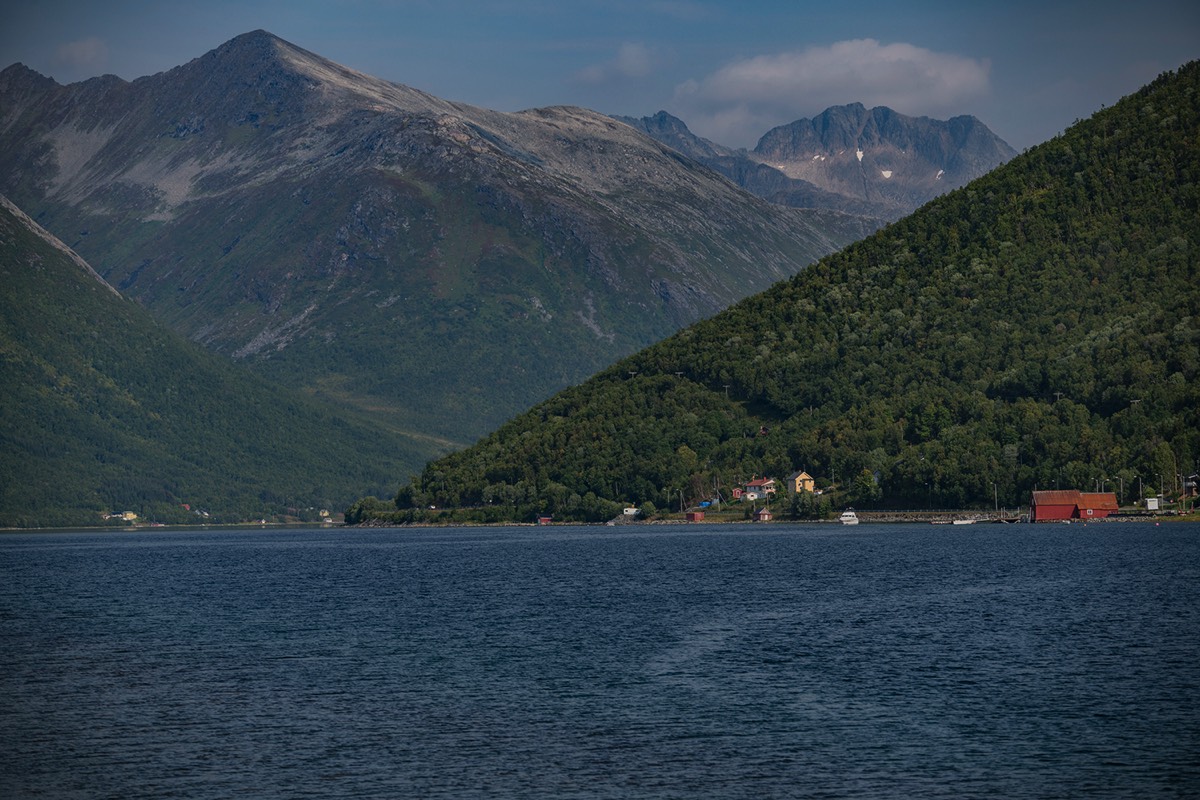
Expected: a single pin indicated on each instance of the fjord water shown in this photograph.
(639, 661)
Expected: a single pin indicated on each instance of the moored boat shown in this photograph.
(848, 517)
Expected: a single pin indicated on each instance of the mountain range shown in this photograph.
(435, 266)
(395, 273)
(1038, 328)
(871, 162)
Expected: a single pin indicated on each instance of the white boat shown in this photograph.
(964, 522)
(848, 517)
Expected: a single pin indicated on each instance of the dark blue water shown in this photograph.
(726, 662)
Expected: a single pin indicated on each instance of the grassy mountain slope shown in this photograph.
(437, 265)
(105, 410)
(1037, 328)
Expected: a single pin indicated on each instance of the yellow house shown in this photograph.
(801, 482)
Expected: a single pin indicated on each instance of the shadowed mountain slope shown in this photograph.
(107, 411)
(1038, 328)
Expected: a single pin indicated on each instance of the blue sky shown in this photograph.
(730, 70)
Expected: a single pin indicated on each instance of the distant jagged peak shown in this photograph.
(17, 77)
(853, 125)
(671, 130)
(874, 162)
(663, 121)
(53, 241)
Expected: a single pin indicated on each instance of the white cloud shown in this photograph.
(742, 100)
(86, 53)
(632, 60)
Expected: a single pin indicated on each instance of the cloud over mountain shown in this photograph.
(632, 60)
(89, 53)
(745, 97)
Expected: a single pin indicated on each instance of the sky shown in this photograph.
(730, 69)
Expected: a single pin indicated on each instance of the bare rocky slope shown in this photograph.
(438, 265)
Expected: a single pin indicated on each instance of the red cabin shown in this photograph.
(1097, 505)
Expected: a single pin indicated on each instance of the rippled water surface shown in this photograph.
(655, 661)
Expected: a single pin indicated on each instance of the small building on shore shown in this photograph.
(801, 482)
(1068, 504)
(1097, 505)
(756, 489)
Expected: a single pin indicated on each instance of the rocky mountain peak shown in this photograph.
(18, 77)
(882, 157)
(874, 162)
(854, 127)
(673, 131)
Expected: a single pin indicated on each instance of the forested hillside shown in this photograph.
(1037, 328)
(105, 411)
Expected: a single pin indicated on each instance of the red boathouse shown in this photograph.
(1066, 504)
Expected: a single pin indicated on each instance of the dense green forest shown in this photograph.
(1037, 328)
(106, 411)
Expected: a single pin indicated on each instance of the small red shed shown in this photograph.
(1097, 505)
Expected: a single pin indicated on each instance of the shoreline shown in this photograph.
(865, 517)
(892, 517)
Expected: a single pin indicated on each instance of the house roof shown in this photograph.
(1103, 501)
(800, 474)
(760, 482)
(1057, 497)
